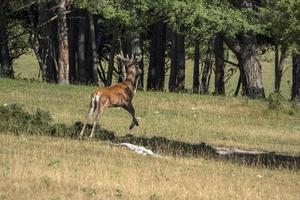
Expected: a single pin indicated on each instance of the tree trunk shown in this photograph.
(156, 74)
(6, 69)
(196, 81)
(44, 43)
(237, 90)
(244, 48)
(126, 43)
(250, 69)
(180, 77)
(296, 77)
(52, 65)
(112, 55)
(219, 73)
(206, 69)
(279, 65)
(72, 37)
(63, 45)
(81, 43)
(141, 65)
(94, 56)
(136, 50)
(173, 70)
(177, 73)
(276, 60)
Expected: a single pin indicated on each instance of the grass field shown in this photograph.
(36, 167)
(52, 168)
(226, 121)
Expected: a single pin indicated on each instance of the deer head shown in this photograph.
(131, 63)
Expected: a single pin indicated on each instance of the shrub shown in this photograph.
(276, 100)
(14, 119)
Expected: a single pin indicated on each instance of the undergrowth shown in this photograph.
(14, 119)
(277, 102)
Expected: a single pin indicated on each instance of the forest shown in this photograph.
(76, 41)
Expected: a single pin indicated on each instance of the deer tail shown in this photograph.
(95, 99)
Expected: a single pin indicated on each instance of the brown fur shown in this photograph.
(118, 95)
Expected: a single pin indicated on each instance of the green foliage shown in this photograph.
(276, 100)
(281, 20)
(13, 118)
(118, 11)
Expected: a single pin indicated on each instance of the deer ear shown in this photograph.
(140, 71)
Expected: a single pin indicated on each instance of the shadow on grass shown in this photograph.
(167, 146)
(13, 119)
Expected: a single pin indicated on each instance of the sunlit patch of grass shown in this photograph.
(226, 121)
(56, 168)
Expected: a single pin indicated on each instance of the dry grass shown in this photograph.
(52, 168)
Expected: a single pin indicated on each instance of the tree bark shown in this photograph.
(112, 55)
(180, 77)
(156, 74)
(296, 77)
(177, 73)
(6, 69)
(63, 45)
(173, 70)
(137, 50)
(237, 90)
(250, 69)
(196, 81)
(72, 37)
(81, 48)
(206, 69)
(244, 46)
(126, 43)
(44, 42)
(93, 49)
(219, 72)
(279, 66)
(141, 65)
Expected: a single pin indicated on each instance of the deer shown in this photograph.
(117, 95)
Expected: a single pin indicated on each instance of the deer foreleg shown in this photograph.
(129, 107)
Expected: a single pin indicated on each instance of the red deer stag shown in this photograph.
(118, 95)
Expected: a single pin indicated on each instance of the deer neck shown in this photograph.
(131, 80)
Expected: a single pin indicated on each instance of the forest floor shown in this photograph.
(38, 167)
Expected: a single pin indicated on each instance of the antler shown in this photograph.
(131, 59)
(138, 58)
(121, 57)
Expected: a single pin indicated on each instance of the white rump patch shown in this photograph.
(97, 98)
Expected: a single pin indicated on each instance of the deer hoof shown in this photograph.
(131, 126)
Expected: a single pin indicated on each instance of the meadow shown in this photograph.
(37, 167)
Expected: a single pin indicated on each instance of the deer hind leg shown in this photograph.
(100, 111)
(93, 106)
(130, 109)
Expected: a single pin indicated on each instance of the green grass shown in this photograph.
(37, 167)
(27, 67)
(225, 121)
